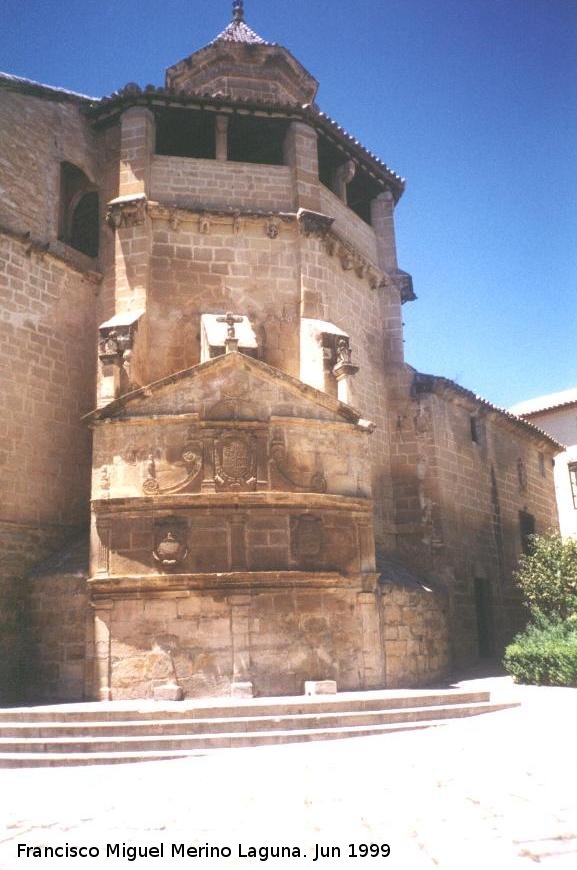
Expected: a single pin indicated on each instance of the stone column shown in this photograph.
(343, 177)
(241, 685)
(221, 129)
(383, 223)
(344, 371)
(137, 143)
(301, 154)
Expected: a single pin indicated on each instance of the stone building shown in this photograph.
(202, 279)
(557, 415)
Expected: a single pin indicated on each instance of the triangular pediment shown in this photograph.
(229, 387)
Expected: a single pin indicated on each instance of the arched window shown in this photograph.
(79, 210)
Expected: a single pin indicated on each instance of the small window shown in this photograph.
(541, 461)
(573, 481)
(526, 529)
(474, 430)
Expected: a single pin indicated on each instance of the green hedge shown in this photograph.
(545, 654)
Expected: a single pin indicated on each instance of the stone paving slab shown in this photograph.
(495, 792)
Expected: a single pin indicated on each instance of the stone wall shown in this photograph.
(206, 640)
(348, 224)
(194, 273)
(467, 497)
(56, 629)
(416, 635)
(36, 135)
(47, 356)
(195, 183)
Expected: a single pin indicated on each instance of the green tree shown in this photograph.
(548, 576)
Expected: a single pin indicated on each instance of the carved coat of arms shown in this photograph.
(235, 462)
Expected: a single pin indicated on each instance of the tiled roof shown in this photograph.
(16, 83)
(545, 403)
(427, 383)
(239, 31)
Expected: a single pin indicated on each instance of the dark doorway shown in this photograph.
(484, 612)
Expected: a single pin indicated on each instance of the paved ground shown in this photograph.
(497, 792)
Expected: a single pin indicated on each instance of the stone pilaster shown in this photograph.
(98, 676)
(371, 658)
(301, 154)
(240, 619)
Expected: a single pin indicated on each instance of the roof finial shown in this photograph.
(238, 10)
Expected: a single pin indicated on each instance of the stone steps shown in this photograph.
(128, 711)
(56, 742)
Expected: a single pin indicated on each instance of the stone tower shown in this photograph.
(276, 496)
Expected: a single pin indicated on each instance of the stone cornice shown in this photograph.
(69, 258)
(265, 499)
(181, 585)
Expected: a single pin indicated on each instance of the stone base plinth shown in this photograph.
(320, 687)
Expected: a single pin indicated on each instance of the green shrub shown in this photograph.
(547, 576)
(545, 654)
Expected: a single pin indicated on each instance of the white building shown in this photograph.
(556, 414)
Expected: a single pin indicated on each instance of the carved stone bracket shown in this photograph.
(126, 211)
(116, 338)
(314, 223)
(272, 229)
(279, 462)
(350, 259)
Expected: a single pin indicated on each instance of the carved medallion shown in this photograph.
(170, 548)
(235, 461)
(307, 537)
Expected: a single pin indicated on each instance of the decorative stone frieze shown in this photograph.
(311, 225)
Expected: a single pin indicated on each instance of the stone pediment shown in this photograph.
(229, 387)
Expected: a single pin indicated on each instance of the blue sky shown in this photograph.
(474, 102)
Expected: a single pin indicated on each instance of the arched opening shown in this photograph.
(79, 223)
